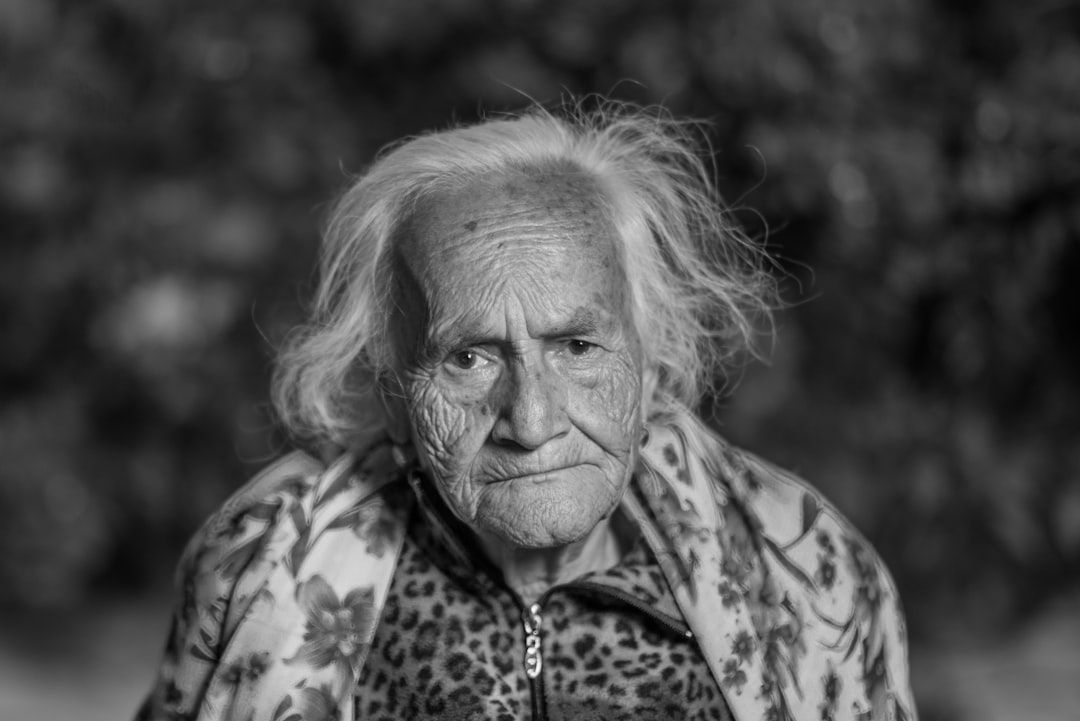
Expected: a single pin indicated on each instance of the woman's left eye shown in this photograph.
(579, 347)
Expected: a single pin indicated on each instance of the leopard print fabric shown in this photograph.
(450, 643)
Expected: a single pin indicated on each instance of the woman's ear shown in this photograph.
(395, 410)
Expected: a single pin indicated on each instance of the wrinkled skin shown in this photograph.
(519, 370)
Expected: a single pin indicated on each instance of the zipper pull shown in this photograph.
(534, 662)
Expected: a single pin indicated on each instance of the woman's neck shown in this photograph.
(530, 572)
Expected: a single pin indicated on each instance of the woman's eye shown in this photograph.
(579, 347)
(466, 359)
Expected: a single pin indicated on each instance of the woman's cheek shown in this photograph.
(612, 392)
(443, 428)
(436, 423)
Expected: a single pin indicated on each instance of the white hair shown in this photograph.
(698, 286)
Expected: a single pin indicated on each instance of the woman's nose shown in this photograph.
(532, 407)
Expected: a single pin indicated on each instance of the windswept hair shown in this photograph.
(698, 286)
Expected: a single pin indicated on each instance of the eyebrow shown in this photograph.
(457, 334)
(585, 321)
(466, 331)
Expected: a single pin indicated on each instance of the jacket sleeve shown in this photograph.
(224, 557)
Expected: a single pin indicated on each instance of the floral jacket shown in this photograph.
(282, 589)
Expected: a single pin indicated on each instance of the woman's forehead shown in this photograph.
(488, 218)
(542, 244)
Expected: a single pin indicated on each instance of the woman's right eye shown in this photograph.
(466, 360)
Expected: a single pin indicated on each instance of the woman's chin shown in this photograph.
(548, 522)
(540, 538)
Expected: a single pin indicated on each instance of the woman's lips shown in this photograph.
(536, 475)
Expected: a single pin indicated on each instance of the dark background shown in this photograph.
(914, 166)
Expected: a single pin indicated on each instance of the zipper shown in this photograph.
(677, 626)
(531, 621)
(534, 657)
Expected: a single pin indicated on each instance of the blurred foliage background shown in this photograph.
(913, 165)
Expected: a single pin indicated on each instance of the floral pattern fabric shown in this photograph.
(811, 626)
(282, 590)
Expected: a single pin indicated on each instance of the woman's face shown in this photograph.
(519, 367)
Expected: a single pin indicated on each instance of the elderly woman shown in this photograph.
(511, 511)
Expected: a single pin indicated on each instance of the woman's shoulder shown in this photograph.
(289, 476)
(295, 486)
(270, 558)
(801, 526)
(839, 592)
(823, 600)
(799, 529)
